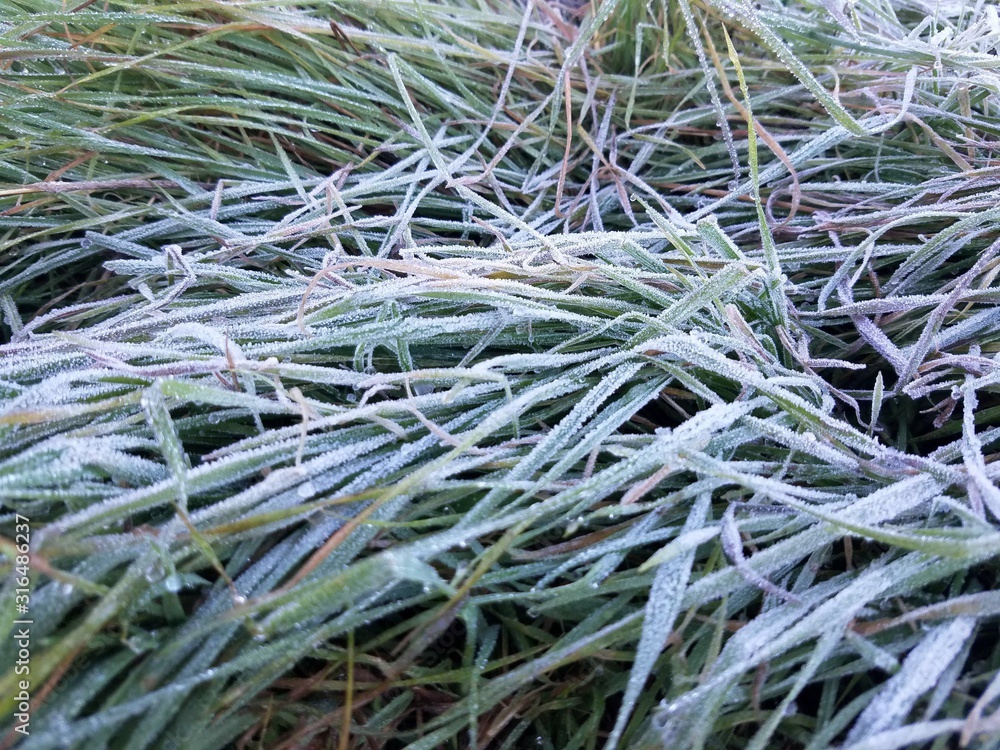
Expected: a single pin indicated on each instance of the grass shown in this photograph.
(478, 374)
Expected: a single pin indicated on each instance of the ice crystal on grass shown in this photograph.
(502, 374)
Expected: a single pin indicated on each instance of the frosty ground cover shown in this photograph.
(501, 375)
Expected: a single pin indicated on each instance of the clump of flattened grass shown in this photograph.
(495, 375)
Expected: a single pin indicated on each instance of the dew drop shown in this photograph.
(306, 489)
